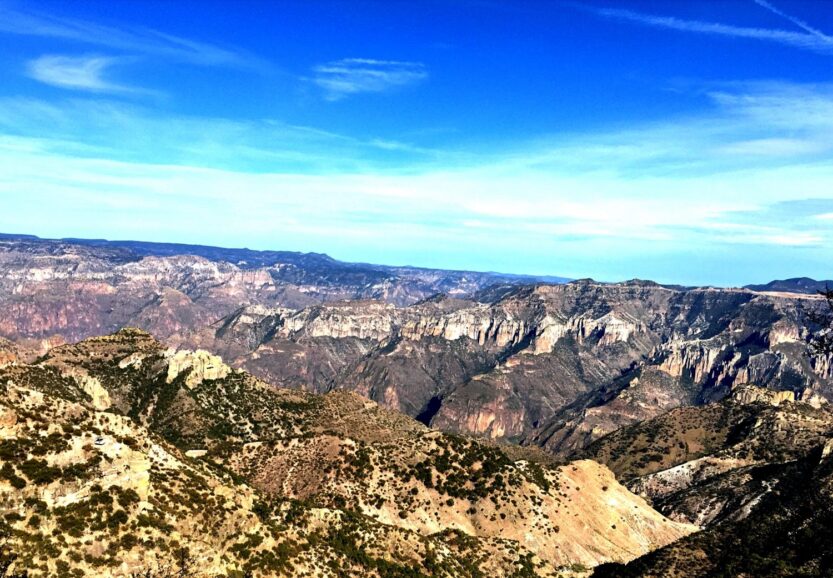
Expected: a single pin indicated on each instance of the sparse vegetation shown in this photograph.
(370, 481)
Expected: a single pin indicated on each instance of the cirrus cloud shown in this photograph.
(348, 76)
(87, 73)
(126, 39)
(810, 39)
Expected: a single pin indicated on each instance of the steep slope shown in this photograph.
(315, 464)
(754, 469)
(787, 534)
(556, 366)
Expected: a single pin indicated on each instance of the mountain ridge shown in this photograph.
(316, 483)
(754, 470)
(253, 258)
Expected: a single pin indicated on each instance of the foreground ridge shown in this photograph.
(120, 455)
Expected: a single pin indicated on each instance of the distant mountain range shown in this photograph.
(291, 267)
(326, 268)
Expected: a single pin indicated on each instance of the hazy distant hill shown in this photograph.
(796, 285)
(398, 284)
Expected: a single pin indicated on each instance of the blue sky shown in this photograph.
(687, 142)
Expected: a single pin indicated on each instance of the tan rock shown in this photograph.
(201, 366)
(92, 387)
(749, 393)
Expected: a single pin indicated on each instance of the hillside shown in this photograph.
(130, 439)
(754, 470)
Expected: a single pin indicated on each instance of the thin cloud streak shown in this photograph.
(85, 73)
(143, 41)
(798, 22)
(350, 76)
(130, 131)
(814, 41)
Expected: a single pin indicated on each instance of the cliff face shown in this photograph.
(552, 365)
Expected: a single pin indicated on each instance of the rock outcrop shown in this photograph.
(200, 365)
(8, 352)
(749, 393)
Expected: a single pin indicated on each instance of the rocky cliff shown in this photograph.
(550, 365)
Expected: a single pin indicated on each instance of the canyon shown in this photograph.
(353, 419)
(552, 365)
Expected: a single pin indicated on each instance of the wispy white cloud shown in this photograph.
(797, 21)
(142, 41)
(761, 234)
(748, 126)
(595, 203)
(130, 131)
(349, 76)
(773, 147)
(810, 39)
(87, 73)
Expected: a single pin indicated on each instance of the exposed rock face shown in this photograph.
(200, 365)
(749, 393)
(8, 352)
(99, 397)
(552, 365)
